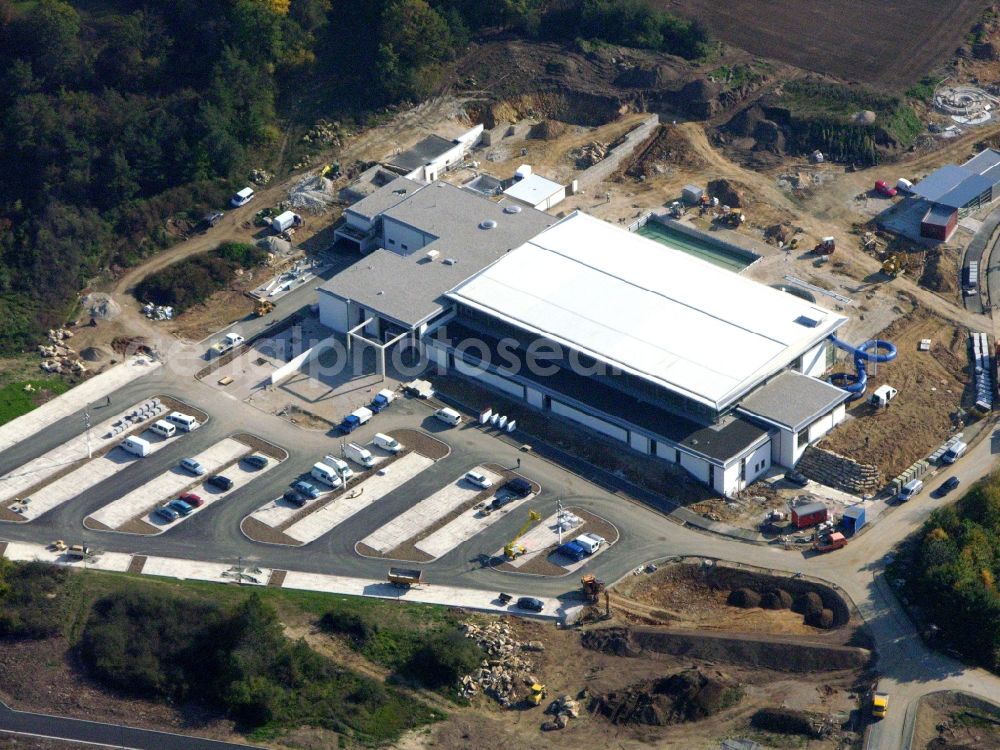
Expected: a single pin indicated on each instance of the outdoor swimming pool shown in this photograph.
(721, 254)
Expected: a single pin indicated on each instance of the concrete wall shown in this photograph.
(814, 360)
(333, 312)
(639, 442)
(598, 425)
(359, 223)
(535, 398)
(297, 363)
(698, 467)
(403, 239)
(603, 169)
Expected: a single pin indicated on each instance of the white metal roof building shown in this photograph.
(697, 330)
(537, 191)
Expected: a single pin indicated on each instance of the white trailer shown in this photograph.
(136, 446)
(285, 221)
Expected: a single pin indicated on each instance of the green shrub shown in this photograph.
(443, 659)
(193, 280)
(33, 599)
(358, 626)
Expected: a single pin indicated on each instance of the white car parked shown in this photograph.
(479, 479)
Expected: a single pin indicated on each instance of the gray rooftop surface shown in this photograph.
(423, 152)
(410, 288)
(793, 400)
(386, 197)
(367, 183)
(941, 181)
(984, 161)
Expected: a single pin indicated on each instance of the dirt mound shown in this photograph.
(691, 695)
(654, 77)
(129, 345)
(865, 117)
(100, 306)
(547, 130)
(609, 641)
(776, 599)
(821, 619)
(788, 721)
(778, 233)
(667, 147)
(275, 245)
(701, 96)
(744, 599)
(727, 192)
(93, 354)
(808, 603)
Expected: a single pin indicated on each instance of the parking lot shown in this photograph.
(136, 512)
(66, 472)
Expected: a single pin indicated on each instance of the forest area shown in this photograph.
(115, 115)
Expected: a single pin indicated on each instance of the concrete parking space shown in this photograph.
(199, 570)
(78, 481)
(115, 562)
(100, 437)
(542, 542)
(362, 495)
(425, 513)
(465, 527)
(167, 486)
(95, 391)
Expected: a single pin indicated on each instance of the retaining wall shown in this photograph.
(839, 472)
(604, 168)
(296, 363)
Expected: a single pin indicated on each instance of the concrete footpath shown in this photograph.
(92, 391)
(222, 572)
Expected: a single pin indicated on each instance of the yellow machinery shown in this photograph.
(893, 265)
(538, 694)
(512, 549)
(591, 588)
(880, 705)
(263, 307)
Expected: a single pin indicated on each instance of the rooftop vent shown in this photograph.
(432, 254)
(810, 319)
(512, 209)
(488, 224)
(450, 261)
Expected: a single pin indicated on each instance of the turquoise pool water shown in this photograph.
(716, 253)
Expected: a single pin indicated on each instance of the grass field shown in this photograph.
(890, 45)
(15, 400)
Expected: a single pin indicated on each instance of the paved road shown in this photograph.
(910, 669)
(106, 735)
(973, 254)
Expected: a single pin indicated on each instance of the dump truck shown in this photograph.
(592, 588)
(880, 705)
(830, 542)
(405, 577)
(78, 552)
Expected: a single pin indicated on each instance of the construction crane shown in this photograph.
(512, 549)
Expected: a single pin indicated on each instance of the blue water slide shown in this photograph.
(873, 350)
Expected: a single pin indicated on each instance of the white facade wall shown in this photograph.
(557, 197)
(760, 458)
(535, 398)
(639, 443)
(598, 425)
(814, 360)
(698, 467)
(728, 482)
(358, 222)
(333, 312)
(498, 382)
(402, 239)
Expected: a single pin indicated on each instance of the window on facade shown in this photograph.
(404, 246)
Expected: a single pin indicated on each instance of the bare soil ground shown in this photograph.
(932, 386)
(842, 37)
(13, 742)
(949, 721)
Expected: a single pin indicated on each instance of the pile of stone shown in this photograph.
(312, 193)
(504, 672)
(562, 709)
(58, 356)
(592, 153)
(323, 132)
(260, 176)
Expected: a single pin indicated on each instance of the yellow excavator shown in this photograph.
(263, 307)
(512, 550)
(893, 265)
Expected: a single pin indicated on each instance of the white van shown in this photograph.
(387, 443)
(326, 475)
(449, 416)
(163, 428)
(359, 455)
(136, 445)
(954, 453)
(183, 421)
(242, 197)
(590, 542)
(339, 465)
(910, 489)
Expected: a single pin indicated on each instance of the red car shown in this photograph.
(884, 188)
(191, 499)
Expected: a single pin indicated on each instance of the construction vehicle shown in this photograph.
(826, 246)
(58, 546)
(592, 588)
(893, 265)
(405, 577)
(263, 307)
(512, 550)
(79, 552)
(676, 209)
(880, 705)
(732, 218)
(538, 693)
(830, 542)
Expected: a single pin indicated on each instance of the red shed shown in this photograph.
(809, 514)
(939, 222)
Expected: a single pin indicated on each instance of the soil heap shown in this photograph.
(690, 695)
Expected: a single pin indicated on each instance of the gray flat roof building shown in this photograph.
(424, 152)
(793, 400)
(462, 234)
(385, 197)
